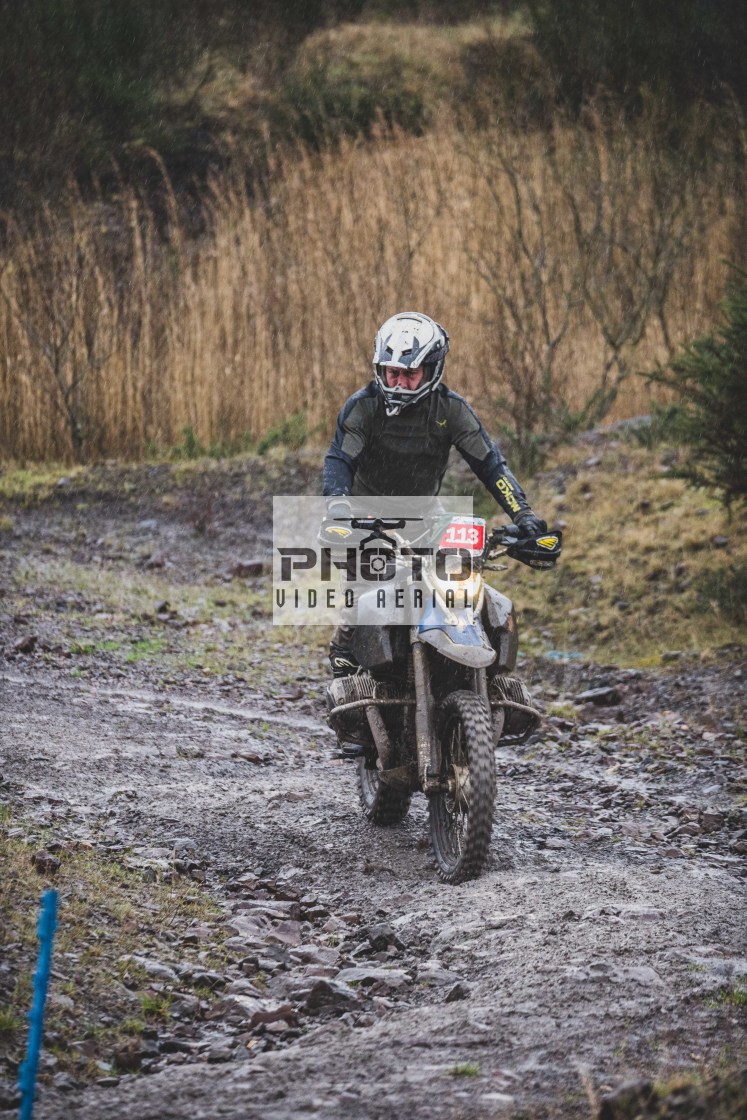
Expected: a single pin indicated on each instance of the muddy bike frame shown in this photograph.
(455, 634)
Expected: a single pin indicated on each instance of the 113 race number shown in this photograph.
(464, 533)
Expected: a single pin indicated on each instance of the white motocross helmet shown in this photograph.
(407, 341)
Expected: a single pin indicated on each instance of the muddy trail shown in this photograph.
(151, 714)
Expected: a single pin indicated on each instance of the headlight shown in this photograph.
(466, 590)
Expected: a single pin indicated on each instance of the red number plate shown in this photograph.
(465, 532)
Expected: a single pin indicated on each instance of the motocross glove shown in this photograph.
(338, 507)
(530, 524)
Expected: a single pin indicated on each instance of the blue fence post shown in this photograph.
(27, 1073)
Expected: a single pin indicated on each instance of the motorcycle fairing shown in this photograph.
(378, 647)
(456, 636)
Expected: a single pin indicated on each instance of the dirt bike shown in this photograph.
(432, 699)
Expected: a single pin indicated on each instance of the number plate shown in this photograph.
(465, 532)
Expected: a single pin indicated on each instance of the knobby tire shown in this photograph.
(461, 827)
(381, 804)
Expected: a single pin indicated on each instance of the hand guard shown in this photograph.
(336, 530)
(537, 551)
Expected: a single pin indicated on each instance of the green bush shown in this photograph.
(724, 590)
(709, 377)
(686, 49)
(291, 433)
(321, 101)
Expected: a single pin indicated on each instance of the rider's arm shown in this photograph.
(346, 447)
(483, 456)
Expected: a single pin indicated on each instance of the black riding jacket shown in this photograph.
(372, 453)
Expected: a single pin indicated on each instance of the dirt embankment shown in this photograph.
(161, 743)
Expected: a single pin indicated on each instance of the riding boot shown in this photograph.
(341, 657)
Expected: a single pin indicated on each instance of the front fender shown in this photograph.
(458, 636)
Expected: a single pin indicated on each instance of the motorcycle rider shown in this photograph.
(394, 437)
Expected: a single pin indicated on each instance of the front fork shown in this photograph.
(426, 737)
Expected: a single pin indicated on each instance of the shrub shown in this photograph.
(319, 102)
(291, 433)
(683, 49)
(710, 416)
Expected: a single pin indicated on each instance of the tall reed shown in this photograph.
(558, 261)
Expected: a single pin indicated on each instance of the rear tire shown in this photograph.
(461, 819)
(382, 804)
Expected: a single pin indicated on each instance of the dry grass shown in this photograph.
(118, 331)
(105, 910)
(648, 564)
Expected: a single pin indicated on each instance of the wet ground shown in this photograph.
(605, 941)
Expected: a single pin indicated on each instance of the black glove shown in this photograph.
(530, 524)
(338, 507)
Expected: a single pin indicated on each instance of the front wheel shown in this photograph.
(381, 803)
(461, 815)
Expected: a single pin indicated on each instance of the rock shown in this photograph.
(219, 1054)
(250, 756)
(502, 921)
(603, 697)
(203, 978)
(433, 972)
(25, 645)
(177, 1046)
(326, 994)
(269, 1013)
(59, 999)
(381, 936)
(332, 925)
(458, 991)
(719, 542)
(160, 854)
(189, 750)
(155, 969)
(256, 566)
(243, 987)
(242, 1009)
(285, 933)
(323, 955)
(711, 821)
(296, 693)
(643, 913)
(9, 1095)
(185, 1006)
(129, 1057)
(64, 1083)
(156, 560)
(391, 977)
(628, 1099)
(270, 908)
(690, 828)
(671, 655)
(44, 862)
(249, 928)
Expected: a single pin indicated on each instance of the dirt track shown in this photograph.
(605, 941)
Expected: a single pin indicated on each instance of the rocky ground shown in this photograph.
(163, 744)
